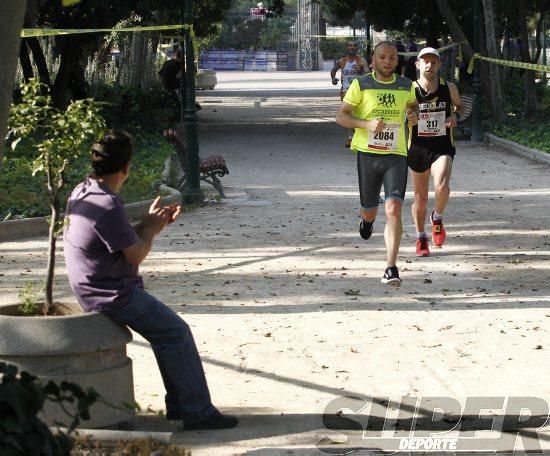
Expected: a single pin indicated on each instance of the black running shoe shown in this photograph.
(391, 276)
(365, 229)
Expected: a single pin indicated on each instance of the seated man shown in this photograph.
(103, 253)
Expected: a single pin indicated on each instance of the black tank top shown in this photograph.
(435, 107)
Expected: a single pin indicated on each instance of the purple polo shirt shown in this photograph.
(98, 230)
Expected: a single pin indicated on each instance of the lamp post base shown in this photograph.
(192, 196)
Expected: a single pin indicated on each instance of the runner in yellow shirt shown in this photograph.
(376, 106)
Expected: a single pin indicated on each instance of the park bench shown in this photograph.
(211, 168)
(467, 103)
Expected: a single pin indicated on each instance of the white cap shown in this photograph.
(428, 50)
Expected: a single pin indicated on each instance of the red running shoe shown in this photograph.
(422, 249)
(438, 232)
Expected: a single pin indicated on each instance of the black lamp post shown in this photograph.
(188, 113)
(544, 78)
(476, 84)
(367, 32)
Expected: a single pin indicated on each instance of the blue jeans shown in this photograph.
(176, 353)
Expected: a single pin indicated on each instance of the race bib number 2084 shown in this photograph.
(386, 139)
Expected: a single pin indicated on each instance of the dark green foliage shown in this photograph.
(529, 130)
(24, 196)
(125, 105)
(21, 399)
(333, 48)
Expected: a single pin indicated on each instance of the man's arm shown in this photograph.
(412, 112)
(345, 118)
(335, 68)
(151, 225)
(363, 66)
(455, 98)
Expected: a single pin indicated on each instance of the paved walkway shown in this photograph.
(285, 298)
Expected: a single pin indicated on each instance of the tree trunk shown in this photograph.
(11, 21)
(70, 50)
(528, 76)
(39, 60)
(458, 37)
(430, 32)
(492, 51)
(25, 61)
(138, 58)
(52, 241)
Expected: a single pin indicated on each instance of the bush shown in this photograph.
(125, 105)
(530, 131)
(333, 48)
(24, 198)
(21, 399)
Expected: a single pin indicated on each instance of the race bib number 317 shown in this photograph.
(431, 123)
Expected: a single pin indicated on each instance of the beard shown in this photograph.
(354, 52)
(384, 72)
(431, 76)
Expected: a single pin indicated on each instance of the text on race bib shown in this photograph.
(386, 139)
(431, 123)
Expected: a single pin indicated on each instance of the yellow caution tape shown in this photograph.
(510, 63)
(27, 33)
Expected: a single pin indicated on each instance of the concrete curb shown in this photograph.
(106, 435)
(13, 230)
(512, 146)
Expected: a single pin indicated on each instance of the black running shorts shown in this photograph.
(420, 158)
(377, 169)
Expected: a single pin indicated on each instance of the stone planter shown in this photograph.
(205, 79)
(88, 349)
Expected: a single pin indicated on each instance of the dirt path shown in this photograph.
(285, 298)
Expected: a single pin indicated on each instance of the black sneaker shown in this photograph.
(365, 229)
(215, 421)
(391, 276)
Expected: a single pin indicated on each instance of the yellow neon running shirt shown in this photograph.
(374, 99)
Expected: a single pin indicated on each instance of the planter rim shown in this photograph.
(58, 335)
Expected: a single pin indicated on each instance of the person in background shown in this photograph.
(410, 63)
(351, 66)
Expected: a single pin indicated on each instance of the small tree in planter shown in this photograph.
(87, 349)
(59, 138)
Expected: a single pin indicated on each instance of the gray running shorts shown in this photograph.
(375, 170)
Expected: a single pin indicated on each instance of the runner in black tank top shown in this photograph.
(431, 147)
(431, 138)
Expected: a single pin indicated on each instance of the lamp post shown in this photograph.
(367, 32)
(476, 84)
(544, 78)
(188, 113)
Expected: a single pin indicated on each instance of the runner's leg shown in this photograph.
(419, 207)
(441, 171)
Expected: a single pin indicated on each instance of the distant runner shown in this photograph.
(351, 66)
